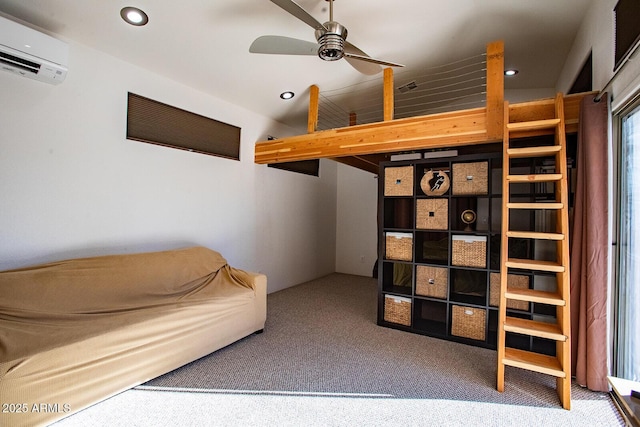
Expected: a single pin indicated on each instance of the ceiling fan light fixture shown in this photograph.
(331, 40)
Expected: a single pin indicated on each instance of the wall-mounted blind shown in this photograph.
(157, 123)
(627, 28)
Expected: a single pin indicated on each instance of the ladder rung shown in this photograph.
(534, 151)
(542, 177)
(534, 328)
(533, 125)
(533, 362)
(530, 264)
(535, 235)
(531, 295)
(510, 322)
(541, 205)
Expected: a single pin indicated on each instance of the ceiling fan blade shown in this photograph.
(294, 9)
(367, 68)
(350, 48)
(280, 45)
(372, 60)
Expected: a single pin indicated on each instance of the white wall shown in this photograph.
(357, 229)
(71, 184)
(596, 35)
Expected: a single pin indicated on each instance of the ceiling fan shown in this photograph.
(331, 42)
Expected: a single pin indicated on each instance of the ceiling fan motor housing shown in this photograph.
(331, 40)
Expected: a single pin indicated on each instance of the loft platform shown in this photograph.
(364, 146)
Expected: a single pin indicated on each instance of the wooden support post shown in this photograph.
(314, 96)
(388, 94)
(495, 90)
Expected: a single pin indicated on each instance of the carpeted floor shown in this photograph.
(321, 342)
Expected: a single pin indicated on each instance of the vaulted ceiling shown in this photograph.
(205, 43)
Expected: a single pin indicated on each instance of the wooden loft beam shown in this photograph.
(466, 127)
(438, 130)
(314, 106)
(387, 100)
(495, 90)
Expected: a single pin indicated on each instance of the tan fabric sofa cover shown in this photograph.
(78, 331)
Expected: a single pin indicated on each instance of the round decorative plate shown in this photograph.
(435, 183)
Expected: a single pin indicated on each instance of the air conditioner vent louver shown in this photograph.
(21, 63)
(409, 86)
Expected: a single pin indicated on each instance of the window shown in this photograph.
(627, 14)
(161, 124)
(627, 348)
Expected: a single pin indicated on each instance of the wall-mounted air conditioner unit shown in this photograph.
(30, 53)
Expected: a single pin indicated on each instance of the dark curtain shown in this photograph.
(589, 249)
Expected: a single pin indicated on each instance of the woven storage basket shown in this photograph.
(432, 214)
(398, 181)
(397, 310)
(470, 178)
(399, 246)
(514, 281)
(468, 322)
(431, 281)
(469, 251)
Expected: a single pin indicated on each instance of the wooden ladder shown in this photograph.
(559, 365)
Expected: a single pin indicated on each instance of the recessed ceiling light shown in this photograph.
(134, 16)
(511, 72)
(287, 95)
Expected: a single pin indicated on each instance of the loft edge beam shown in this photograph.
(437, 130)
(465, 127)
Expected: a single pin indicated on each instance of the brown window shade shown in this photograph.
(157, 123)
(307, 167)
(627, 29)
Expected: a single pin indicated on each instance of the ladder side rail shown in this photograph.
(563, 348)
(504, 251)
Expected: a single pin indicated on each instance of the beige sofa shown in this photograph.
(75, 332)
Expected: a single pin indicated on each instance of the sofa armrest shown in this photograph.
(259, 281)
